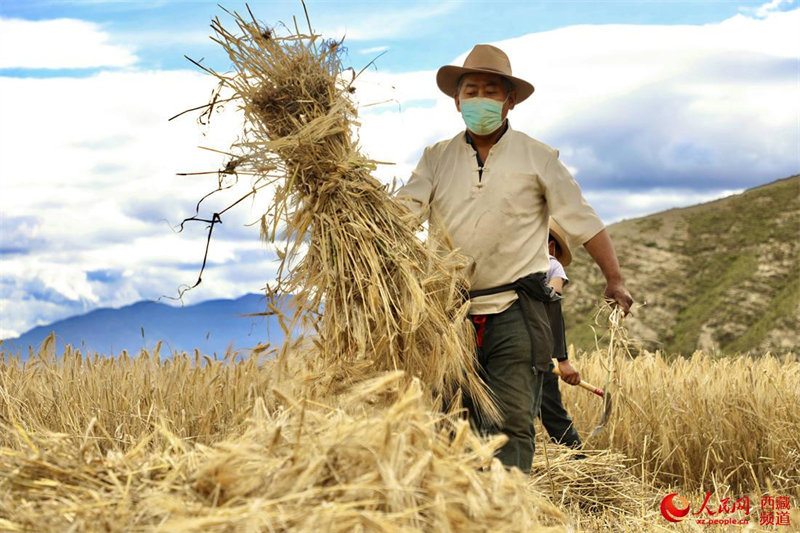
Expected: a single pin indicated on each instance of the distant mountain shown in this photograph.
(722, 276)
(210, 326)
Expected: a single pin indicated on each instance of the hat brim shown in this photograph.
(447, 79)
(558, 234)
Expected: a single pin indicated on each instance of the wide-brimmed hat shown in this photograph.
(483, 59)
(558, 234)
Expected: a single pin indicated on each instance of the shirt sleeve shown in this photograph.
(417, 192)
(567, 205)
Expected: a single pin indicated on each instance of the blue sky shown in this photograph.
(160, 33)
(652, 105)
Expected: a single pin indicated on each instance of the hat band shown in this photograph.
(491, 69)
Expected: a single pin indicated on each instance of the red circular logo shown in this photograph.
(671, 511)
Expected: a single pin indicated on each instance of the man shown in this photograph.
(491, 189)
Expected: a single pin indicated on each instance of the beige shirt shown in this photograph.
(499, 221)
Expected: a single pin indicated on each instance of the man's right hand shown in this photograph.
(568, 372)
(602, 251)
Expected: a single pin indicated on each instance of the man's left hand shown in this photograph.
(568, 373)
(617, 293)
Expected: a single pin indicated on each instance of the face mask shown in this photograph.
(482, 115)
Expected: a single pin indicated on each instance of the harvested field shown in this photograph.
(702, 421)
(148, 443)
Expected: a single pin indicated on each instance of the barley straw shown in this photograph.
(378, 297)
(602, 482)
(374, 457)
(695, 420)
(150, 438)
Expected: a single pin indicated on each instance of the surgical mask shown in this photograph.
(482, 115)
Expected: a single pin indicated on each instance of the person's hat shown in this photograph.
(558, 234)
(483, 59)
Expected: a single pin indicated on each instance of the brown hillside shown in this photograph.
(722, 276)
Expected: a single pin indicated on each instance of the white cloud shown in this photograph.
(88, 173)
(615, 205)
(765, 9)
(59, 44)
(374, 50)
(713, 106)
(386, 23)
(647, 117)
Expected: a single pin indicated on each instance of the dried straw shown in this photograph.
(601, 482)
(378, 297)
(381, 459)
(142, 443)
(683, 418)
(344, 441)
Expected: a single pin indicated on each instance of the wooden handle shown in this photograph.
(584, 384)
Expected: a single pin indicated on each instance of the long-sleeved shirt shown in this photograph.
(498, 215)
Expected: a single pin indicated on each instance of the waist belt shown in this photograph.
(533, 285)
(528, 288)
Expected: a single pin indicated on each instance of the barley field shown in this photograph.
(188, 443)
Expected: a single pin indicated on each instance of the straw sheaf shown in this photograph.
(601, 482)
(378, 297)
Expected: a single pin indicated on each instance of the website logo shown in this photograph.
(674, 508)
(727, 511)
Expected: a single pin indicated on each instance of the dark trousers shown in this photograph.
(506, 363)
(554, 417)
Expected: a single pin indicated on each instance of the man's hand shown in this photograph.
(602, 251)
(568, 372)
(617, 293)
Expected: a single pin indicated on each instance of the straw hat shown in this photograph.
(565, 258)
(483, 59)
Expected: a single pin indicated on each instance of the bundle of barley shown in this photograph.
(401, 468)
(379, 298)
(594, 481)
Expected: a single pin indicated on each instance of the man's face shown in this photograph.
(485, 86)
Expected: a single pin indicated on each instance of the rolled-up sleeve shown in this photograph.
(567, 205)
(416, 193)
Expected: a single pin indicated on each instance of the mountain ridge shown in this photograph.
(720, 276)
(211, 326)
